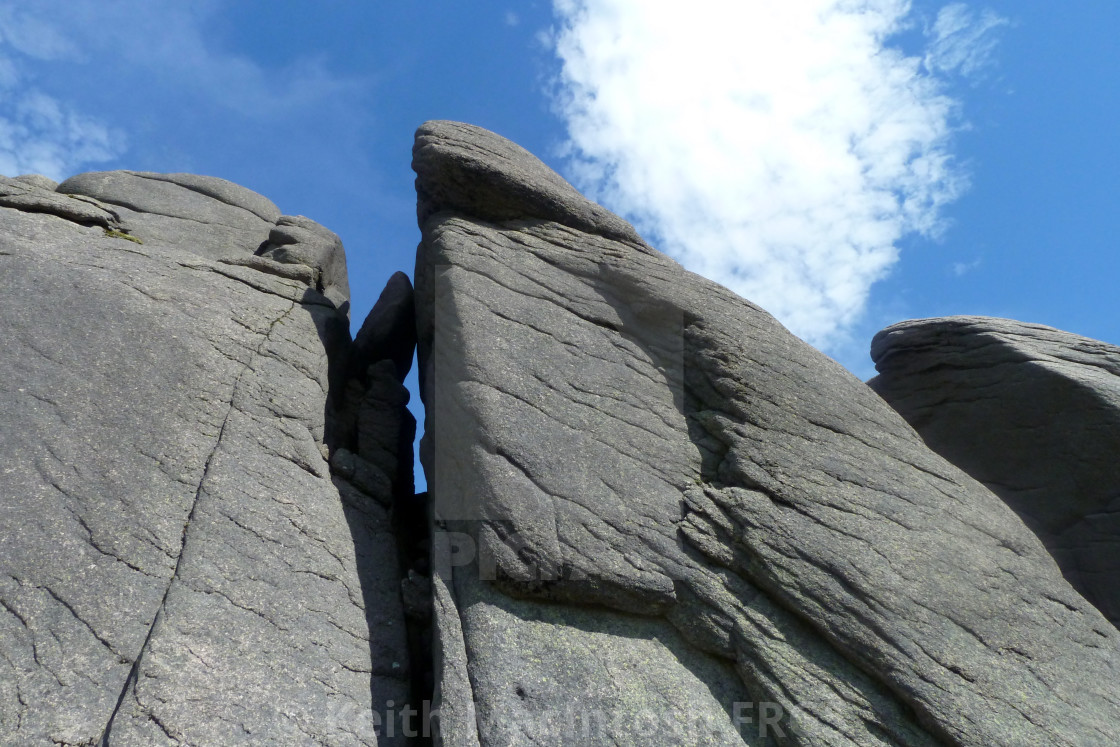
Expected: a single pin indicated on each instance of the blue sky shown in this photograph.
(845, 163)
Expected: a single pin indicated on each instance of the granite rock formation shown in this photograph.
(177, 563)
(650, 499)
(654, 515)
(1034, 414)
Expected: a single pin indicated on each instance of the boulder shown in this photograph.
(296, 240)
(220, 218)
(38, 180)
(205, 199)
(34, 195)
(1034, 414)
(654, 515)
(389, 331)
(178, 565)
(458, 167)
(660, 518)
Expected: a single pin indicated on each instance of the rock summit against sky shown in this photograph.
(654, 515)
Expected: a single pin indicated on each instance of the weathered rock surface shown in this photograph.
(654, 505)
(222, 219)
(38, 180)
(499, 180)
(389, 330)
(296, 240)
(655, 516)
(1033, 413)
(177, 563)
(38, 196)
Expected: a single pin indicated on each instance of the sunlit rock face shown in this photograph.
(650, 498)
(654, 515)
(1033, 413)
(177, 564)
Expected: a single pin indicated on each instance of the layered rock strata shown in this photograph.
(177, 563)
(1034, 414)
(654, 506)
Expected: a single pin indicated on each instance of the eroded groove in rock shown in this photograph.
(606, 431)
(1033, 413)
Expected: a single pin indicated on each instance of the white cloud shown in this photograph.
(963, 268)
(512, 19)
(163, 45)
(962, 41)
(38, 133)
(172, 43)
(781, 148)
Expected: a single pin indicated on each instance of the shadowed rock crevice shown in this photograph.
(372, 463)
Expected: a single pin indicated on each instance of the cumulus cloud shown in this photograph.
(780, 148)
(38, 132)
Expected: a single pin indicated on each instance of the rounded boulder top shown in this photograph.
(189, 196)
(471, 170)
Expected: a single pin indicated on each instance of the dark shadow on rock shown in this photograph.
(369, 436)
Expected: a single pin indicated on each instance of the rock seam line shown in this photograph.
(133, 673)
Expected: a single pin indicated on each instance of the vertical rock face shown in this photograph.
(177, 564)
(1031, 412)
(662, 519)
(655, 516)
